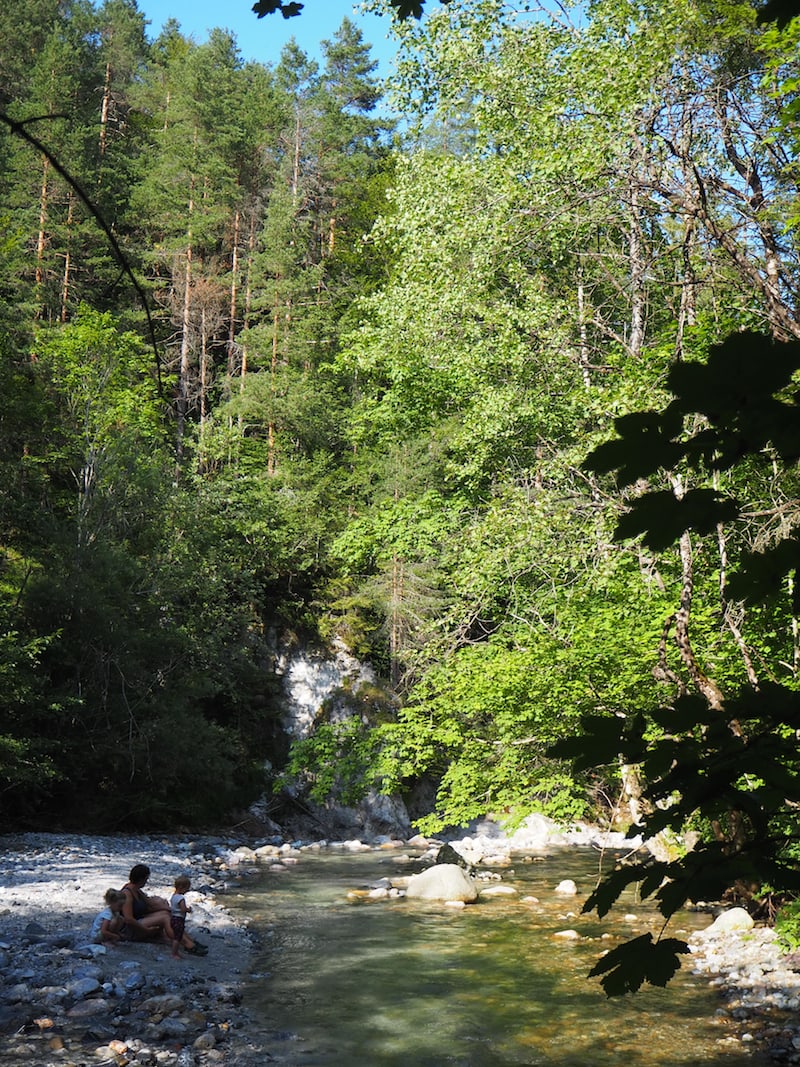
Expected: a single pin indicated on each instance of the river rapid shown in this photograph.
(341, 979)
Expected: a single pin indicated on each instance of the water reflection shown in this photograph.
(390, 983)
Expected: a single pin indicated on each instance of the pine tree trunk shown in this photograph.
(248, 294)
(185, 356)
(273, 369)
(396, 624)
(204, 364)
(637, 274)
(105, 109)
(332, 230)
(234, 296)
(41, 239)
(65, 284)
(296, 160)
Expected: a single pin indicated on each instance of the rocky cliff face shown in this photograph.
(316, 682)
(330, 685)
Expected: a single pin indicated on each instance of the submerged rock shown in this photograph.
(498, 891)
(567, 888)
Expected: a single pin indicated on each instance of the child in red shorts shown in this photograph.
(178, 910)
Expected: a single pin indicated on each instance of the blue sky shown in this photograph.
(262, 39)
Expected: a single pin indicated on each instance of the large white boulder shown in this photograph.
(734, 919)
(443, 881)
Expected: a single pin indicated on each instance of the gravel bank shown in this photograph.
(65, 1002)
(758, 986)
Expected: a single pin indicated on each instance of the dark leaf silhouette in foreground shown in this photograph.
(403, 9)
(779, 11)
(269, 7)
(628, 966)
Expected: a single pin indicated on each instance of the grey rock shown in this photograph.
(447, 854)
(15, 994)
(86, 1008)
(84, 987)
(162, 1004)
(88, 952)
(224, 994)
(381, 883)
(62, 940)
(172, 1028)
(12, 1019)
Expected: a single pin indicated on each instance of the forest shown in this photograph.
(499, 394)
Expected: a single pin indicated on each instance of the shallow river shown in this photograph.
(346, 983)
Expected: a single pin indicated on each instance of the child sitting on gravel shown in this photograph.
(178, 910)
(108, 923)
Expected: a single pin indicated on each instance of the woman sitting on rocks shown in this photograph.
(145, 918)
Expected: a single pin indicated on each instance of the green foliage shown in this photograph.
(269, 7)
(779, 11)
(483, 720)
(733, 761)
(385, 371)
(709, 764)
(25, 762)
(289, 8)
(661, 517)
(334, 762)
(787, 926)
(744, 394)
(743, 390)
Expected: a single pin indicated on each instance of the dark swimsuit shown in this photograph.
(138, 906)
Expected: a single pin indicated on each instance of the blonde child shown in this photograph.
(107, 925)
(178, 910)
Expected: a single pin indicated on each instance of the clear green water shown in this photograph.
(390, 983)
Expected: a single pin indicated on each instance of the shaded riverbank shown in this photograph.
(66, 1002)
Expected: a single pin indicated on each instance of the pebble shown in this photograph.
(757, 982)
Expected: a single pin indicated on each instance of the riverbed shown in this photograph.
(305, 968)
(340, 978)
